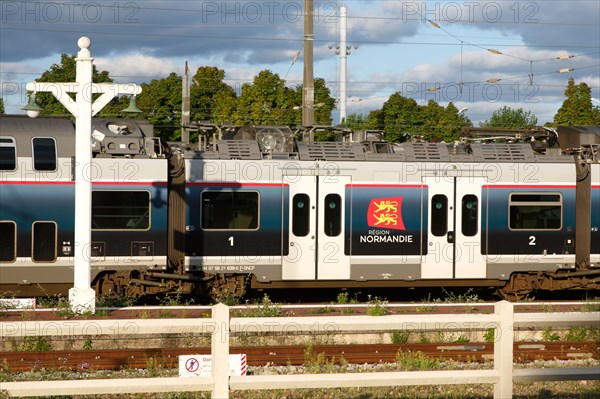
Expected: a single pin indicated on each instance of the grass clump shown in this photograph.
(264, 308)
(377, 307)
(413, 361)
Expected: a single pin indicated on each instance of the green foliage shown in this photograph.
(266, 101)
(469, 296)
(88, 345)
(506, 117)
(317, 363)
(377, 307)
(577, 334)
(403, 119)
(577, 109)
(34, 344)
(265, 308)
(342, 298)
(208, 85)
(549, 335)
(489, 335)
(116, 300)
(63, 72)
(416, 361)
(400, 337)
(1, 106)
(161, 102)
(175, 299)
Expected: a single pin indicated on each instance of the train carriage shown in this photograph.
(331, 215)
(37, 200)
(260, 205)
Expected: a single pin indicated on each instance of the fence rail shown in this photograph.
(220, 326)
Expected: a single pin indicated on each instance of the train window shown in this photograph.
(230, 210)
(301, 215)
(469, 215)
(439, 215)
(44, 242)
(44, 153)
(8, 153)
(120, 210)
(535, 211)
(8, 241)
(333, 215)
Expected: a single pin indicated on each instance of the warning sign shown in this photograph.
(201, 365)
(192, 365)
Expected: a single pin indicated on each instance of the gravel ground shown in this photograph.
(539, 390)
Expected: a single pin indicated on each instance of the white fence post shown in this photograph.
(503, 350)
(220, 351)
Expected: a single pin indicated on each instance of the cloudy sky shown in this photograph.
(395, 47)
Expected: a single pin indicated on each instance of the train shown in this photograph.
(268, 208)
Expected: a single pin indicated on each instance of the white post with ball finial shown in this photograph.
(82, 297)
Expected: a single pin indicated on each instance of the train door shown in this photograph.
(454, 228)
(316, 229)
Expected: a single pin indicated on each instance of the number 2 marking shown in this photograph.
(531, 240)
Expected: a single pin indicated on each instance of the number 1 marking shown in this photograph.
(230, 241)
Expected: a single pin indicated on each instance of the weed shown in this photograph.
(426, 307)
(175, 300)
(348, 310)
(423, 339)
(326, 309)
(468, 296)
(265, 308)
(549, 335)
(462, 340)
(577, 334)
(416, 361)
(377, 307)
(228, 298)
(35, 344)
(152, 366)
(343, 298)
(591, 307)
(113, 300)
(400, 337)
(87, 345)
(489, 335)
(144, 315)
(318, 363)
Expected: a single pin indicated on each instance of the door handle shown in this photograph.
(450, 237)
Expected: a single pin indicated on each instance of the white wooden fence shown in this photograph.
(220, 326)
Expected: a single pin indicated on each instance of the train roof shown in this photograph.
(112, 137)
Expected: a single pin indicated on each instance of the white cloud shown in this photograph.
(136, 67)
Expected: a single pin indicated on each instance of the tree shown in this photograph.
(66, 72)
(208, 93)
(161, 102)
(577, 109)
(402, 119)
(506, 117)
(1, 106)
(356, 121)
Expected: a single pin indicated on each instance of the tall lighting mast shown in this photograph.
(308, 87)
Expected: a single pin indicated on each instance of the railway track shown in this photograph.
(114, 359)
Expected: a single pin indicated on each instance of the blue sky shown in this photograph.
(398, 48)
